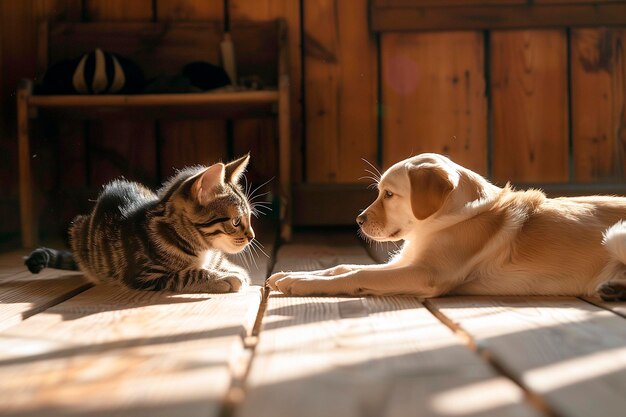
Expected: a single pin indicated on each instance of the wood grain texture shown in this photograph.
(312, 251)
(122, 148)
(443, 3)
(184, 143)
(374, 356)
(257, 136)
(18, 40)
(564, 349)
(23, 294)
(598, 71)
(417, 17)
(341, 90)
(58, 9)
(113, 10)
(189, 143)
(434, 97)
(529, 102)
(114, 351)
(69, 136)
(618, 307)
(125, 147)
(290, 12)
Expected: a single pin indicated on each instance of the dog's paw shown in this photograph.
(308, 285)
(294, 285)
(271, 281)
(612, 291)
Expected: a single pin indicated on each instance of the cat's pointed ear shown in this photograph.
(204, 186)
(235, 169)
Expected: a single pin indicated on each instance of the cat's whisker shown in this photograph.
(258, 196)
(262, 205)
(259, 243)
(245, 186)
(260, 246)
(259, 187)
(252, 248)
(241, 256)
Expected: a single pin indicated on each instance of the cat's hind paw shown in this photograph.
(37, 260)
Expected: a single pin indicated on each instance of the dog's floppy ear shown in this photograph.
(430, 186)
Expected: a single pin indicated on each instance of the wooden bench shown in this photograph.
(161, 48)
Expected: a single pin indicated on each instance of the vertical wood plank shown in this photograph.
(341, 90)
(18, 43)
(258, 136)
(68, 197)
(122, 146)
(190, 10)
(433, 90)
(119, 9)
(530, 116)
(184, 143)
(598, 70)
(58, 9)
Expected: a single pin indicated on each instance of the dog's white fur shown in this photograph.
(464, 235)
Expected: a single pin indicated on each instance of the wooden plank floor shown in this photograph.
(68, 348)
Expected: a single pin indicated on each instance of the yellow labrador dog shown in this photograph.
(464, 235)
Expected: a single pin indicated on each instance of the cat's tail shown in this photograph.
(42, 258)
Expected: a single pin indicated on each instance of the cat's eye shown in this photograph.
(236, 221)
(388, 194)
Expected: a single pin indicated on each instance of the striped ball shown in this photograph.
(97, 72)
(100, 72)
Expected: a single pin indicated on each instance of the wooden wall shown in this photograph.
(544, 105)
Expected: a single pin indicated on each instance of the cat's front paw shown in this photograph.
(229, 283)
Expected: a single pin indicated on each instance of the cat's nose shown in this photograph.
(362, 218)
(250, 234)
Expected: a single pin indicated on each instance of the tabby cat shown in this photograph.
(173, 240)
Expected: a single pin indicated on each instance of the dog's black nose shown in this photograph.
(362, 218)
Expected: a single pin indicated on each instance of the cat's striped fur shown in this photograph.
(175, 239)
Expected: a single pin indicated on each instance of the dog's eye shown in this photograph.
(236, 221)
(388, 194)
